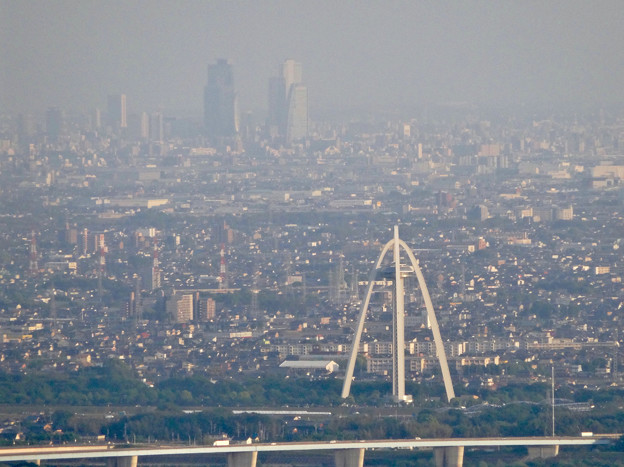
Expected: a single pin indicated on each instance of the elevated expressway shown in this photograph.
(447, 451)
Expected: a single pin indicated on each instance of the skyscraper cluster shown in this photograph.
(287, 120)
(288, 103)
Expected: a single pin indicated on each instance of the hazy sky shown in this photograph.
(355, 54)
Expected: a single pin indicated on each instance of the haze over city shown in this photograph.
(384, 232)
(357, 55)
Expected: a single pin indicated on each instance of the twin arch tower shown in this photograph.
(397, 273)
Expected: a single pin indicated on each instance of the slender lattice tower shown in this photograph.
(398, 273)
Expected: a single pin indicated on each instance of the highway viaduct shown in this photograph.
(447, 451)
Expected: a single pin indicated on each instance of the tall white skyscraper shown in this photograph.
(288, 103)
(144, 126)
(96, 119)
(292, 73)
(297, 124)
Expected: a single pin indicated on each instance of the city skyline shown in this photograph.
(374, 57)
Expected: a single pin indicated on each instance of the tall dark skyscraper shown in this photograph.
(277, 107)
(288, 103)
(220, 101)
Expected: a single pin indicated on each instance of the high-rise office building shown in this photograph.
(207, 309)
(220, 101)
(144, 126)
(288, 103)
(297, 124)
(277, 107)
(69, 235)
(156, 127)
(292, 73)
(180, 308)
(96, 119)
(54, 123)
(26, 128)
(84, 242)
(116, 111)
(99, 242)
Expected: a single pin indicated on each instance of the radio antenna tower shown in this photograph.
(398, 273)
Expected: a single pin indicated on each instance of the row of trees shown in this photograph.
(115, 383)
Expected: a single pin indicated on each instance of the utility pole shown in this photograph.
(552, 390)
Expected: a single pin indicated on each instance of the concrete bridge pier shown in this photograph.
(130, 461)
(242, 459)
(542, 452)
(349, 458)
(451, 456)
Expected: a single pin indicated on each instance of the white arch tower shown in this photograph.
(398, 322)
